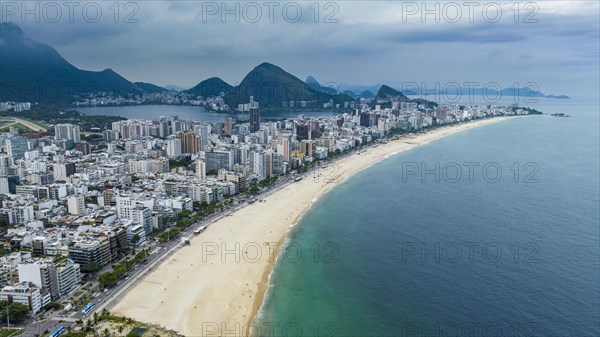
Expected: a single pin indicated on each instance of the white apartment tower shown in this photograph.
(201, 168)
(76, 204)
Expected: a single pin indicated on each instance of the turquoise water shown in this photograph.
(414, 256)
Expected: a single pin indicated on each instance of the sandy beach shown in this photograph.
(217, 284)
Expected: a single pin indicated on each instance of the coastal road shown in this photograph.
(105, 300)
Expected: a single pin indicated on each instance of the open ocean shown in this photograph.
(513, 251)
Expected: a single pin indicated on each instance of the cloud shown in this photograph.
(171, 43)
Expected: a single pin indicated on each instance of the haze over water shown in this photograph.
(416, 257)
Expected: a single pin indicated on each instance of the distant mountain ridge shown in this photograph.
(488, 92)
(452, 90)
(35, 72)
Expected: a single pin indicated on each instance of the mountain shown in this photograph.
(490, 93)
(350, 93)
(314, 84)
(311, 81)
(366, 94)
(387, 93)
(210, 87)
(270, 85)
(31, 71)
(524, 92)
(149, 87)
(359, 88)
(174, 87)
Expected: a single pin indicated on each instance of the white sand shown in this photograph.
(194, 292)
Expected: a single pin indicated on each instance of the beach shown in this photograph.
(217, 284)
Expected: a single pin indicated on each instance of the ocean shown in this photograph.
(490, 232)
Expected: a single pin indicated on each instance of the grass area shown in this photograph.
(22, 128)
(106, 324)
(6, 332)
(38, 123)
(7, 120)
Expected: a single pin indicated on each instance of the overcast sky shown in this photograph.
(553, 44)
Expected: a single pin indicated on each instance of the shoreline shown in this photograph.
(227, 287)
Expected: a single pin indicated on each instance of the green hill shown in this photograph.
(270, 85)
(210, 87)
(388, 93)
(31, 71)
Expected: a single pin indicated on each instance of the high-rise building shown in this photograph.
(42, 274)
(16, 147)
(217, 160)
(24, 294)
(256, 162)
(228, 126)
(88, 251)
(173, 147)
(63, 171)
(76, 204)
(189, 142)
(67, 131)
(200, 168)
(283, 148)
(254, 119)
(302, 131)
(84, 147)
(141, 215)
(68, 277)
(125, 205)
(5, 162)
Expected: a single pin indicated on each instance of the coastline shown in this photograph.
(220, 282)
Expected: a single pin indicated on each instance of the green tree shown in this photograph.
(17, 312)
(107, 279)
(90, 267)
(135, 239)
(54, 305)
(75, 334)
